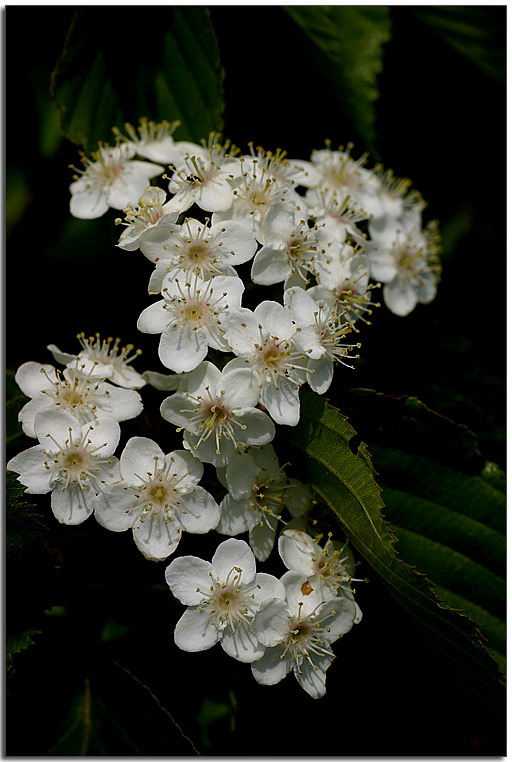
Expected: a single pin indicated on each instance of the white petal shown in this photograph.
(241, 476)
(259, 429)
(32, 377)
(29, 464)
(283, 404)
(194, 631)
(241, 387)
(72, 505)
(182, 349)
(275, 318)
(297, 551)
(320, 374)
(269, 587)
(271, 623)
(313, 681)
(242, 644)
(138, 458)
(271, 265)
(156, 537)
(232, 554)
(197, 512)
(88, 203)
(400, 297)
(154, 319)
(236, 516)
(185, 575)
(271, 669)
(262, 538)
(117, 508)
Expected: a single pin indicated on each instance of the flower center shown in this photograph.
(273, 357)
(198, 253)
(195, 313)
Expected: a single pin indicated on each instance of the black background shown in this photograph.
(441, 122)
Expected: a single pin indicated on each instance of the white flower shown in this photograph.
(339, 173)
(290, 247)
(153, 140)
(149, 220)
(320, 335)
(207, 251)
(343, 283)
(329, 569)
(72, 461)
(298, 633)
(255, 194)
(112, 179)
(188, 317)
(263, 340)
(388, 200)
(103, 359)
(218, 413)
(158, 498)
(205, 177)
(409, 267)
(337, 213)
(84, 397)
(223, 596)
(258, 491)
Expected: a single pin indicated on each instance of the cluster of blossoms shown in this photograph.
(317, 231)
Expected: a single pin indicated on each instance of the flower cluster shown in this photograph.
(319, 232)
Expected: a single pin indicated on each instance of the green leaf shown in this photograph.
(115, 713)
(476, 32)
(162, 65)
(341, 472)
(24, 524)
(347, 46)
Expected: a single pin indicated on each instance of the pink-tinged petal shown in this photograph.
(182, 349)
(117, 507)
(189, 578)
(194, 631)
(72, 505)
(154, 319)
(242, 644)
(197, 511)
(138, 459)
(156, 537)
(33, 474)
(32, 377)
(271, 668)
(234, 554)
(271, 623)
